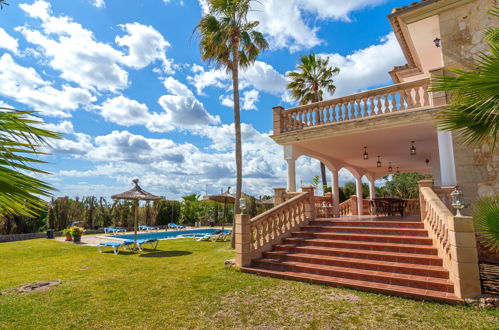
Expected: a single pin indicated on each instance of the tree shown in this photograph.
(229, 40)
(20, 141)
(404, 185)
(473, 111)
(3, 3)
(314, 76)
(486, 217)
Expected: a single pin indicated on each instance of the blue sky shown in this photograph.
(123, 80)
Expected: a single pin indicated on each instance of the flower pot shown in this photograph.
(69, 238)
(77, 239)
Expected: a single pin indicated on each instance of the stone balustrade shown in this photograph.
(346, 207)
(257, 235)
(454, 238)
(376, 102)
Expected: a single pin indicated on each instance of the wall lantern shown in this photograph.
(366, 155)
(390, 168)
(457, 200)
(378, 164)
(427, 161)
(413, 149)
(398, 171)
(436, 41)
(242, 204)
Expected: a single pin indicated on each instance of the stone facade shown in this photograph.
(462, 31)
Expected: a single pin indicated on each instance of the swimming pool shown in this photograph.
(172, 234)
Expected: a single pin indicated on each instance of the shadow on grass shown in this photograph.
(165, 254)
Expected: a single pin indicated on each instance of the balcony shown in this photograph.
(390, 101)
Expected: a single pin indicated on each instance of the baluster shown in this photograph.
(410, 102)
(417, 97)
(426, 96)
(333, 113)
(355, 106)
(380, 105)
(328, 116)
(387, 104)
(394, 101)
(372, 105)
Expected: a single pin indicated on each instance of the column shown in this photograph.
(291, 175)
(243, 240)
(372, 190)
(336, 193)
(360, 200)
(446, 155)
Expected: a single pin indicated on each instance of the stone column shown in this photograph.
(278, 125)
(446, 156)
(354, 205)
(243, 240)
(291, 175)
(336, 193)
(310, 204)
(360, 200)
(279, 196)
(372, 189)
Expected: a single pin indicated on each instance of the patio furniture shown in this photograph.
(399, 207)
(141, 242)
(114, 245)
(147, 228)
(389, 206)
(114, 230)
(173, 225)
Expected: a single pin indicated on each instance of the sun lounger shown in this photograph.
(141, 242)
(113, 230)
(147, 228)
(173, 225)
(114, 245)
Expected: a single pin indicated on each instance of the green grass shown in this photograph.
(185, 285)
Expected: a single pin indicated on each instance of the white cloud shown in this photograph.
(65, 127)
(73, 50)
(248, 101)
(145, 45)
(366, 67)
(8, 42)
(99, 3)
(176, 87)
(24, 85)
(125, 112)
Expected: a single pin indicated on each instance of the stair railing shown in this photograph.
(454, 238)
(258, 235)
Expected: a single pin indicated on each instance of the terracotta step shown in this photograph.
(373, 246)
(420, 259)
(421, 282)
(368, 230)
(361, 263)
(365, 237)
(378, 224)
(391, 289)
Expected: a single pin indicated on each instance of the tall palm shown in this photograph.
(307, 85)
(473, 111)
(230, 41)
(3, 3)
(20, 140)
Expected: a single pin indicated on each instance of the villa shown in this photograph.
(429, 253)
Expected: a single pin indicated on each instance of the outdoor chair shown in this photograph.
(381, 207)
(113, 230)
(141, 242)
(114, 245)
(399, 207)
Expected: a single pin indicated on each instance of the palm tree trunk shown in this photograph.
(323, 167)
(237, 128)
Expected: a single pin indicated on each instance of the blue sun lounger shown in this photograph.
(114, 245)
(141, 242)
(147, 228)
(173, 225)
(113, 230)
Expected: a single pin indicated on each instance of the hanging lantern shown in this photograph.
(427, 161)
(378, 164)
(398, 171)
(390, 168)
(366, 155)
(413, 149)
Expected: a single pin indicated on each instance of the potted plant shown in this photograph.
(67, 232)
(76, 232)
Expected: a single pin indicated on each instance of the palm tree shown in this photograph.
(486, 217)
(473, 111)
(20, 140)
(229, 40)
(3, 3)
(307, 85)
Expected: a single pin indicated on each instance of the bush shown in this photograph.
(76, 231)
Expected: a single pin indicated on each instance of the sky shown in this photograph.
(124, 82)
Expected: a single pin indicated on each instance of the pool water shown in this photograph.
(172, 234)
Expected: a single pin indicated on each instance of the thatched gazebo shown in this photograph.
(136, 194)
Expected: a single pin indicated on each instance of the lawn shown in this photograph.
(185, 285)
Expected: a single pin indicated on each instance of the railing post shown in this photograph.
(310, 211)
(422, 203)
(279, 194)
(243, 240)
(278, 124)
(354, 205)
(464, 271)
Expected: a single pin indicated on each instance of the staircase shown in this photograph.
(391, 257)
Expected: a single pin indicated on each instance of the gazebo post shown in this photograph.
(135, 223)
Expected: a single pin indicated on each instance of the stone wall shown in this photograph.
(23, 237)
(462, 30)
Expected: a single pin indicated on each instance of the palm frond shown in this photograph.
(486, 218)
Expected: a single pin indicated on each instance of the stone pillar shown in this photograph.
(310, 204)
(464, 271)
(291, 175)
(354, 205)
(278, 126)
(360, 201)
(446, 156)
(422, 204)
(336, 193)
(372, 190)
(243, 240)
(279, 196)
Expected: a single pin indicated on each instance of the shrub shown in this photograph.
(76, 231)
(486, 218)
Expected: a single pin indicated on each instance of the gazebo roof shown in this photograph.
(223, 197)
(136, 193)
